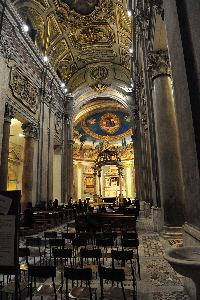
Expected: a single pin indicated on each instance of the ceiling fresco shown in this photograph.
(87, 41)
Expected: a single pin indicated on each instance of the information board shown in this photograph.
(9, 231)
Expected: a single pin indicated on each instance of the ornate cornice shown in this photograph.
(24, 113)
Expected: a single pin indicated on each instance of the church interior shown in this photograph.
(100, 101)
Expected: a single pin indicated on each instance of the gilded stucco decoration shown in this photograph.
(76, 33)
(23, 89)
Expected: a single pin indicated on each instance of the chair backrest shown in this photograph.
(33, 242)
(90, 253)
(79, 242)
(130, 243)
(122, 254)
(130, 235)
(24, 252)
(95, 254)
(108, 235)
(62, 255)
(57, 243)
(105, 242)
(111, 274)
(78, 274)
(50, 234)
(42, 271)
(68, 235)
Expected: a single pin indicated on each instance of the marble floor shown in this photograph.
(158, 280)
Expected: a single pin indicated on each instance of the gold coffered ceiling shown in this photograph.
(87, 41)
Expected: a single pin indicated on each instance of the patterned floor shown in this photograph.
(158, 280)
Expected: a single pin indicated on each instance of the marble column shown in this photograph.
(8, 115)
(99, 176)
(79, 180)
(170, 177)
(27, 174)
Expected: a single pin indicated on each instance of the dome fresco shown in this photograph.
(99, 128)
(107, 125)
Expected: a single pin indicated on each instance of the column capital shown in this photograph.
(158, 63)
(9, 113)
(29, 130)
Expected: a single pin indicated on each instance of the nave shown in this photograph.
(158, 280)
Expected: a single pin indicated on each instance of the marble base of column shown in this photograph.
(172, 232)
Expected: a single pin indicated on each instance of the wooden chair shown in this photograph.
(132, 244)
(9, 283)
(123, 256)
(55, 244)
(49, 235)
(83, 289)
(35, 248)
(42, 289)
(62, 259)
(107, 277)
(95, 256)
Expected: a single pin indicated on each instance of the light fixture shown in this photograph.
(65, 90)
(129, 13)
(62, 84)
(131, 50)
(45, 58)
(25, 28)
(21, 134)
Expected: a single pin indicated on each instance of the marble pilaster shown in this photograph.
(170, 177)
(8, 115)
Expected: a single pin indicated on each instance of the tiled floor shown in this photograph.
(158, 280)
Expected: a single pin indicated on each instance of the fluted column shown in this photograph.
(27, 174)
(170, 177)
(8, 115)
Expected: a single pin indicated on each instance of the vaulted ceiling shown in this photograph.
(88, 43)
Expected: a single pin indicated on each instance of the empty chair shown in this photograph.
(8, 285)
(87, 236)
(132, 244)
(107, 278)
(105, 244)
(62, 258)
(42, 289)
(110, 235)
(49, 235)
(35, 248)
(55, 244)
(77, 242)
(94, 254)
(68, 236)
(123, 256)
(82, 277)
